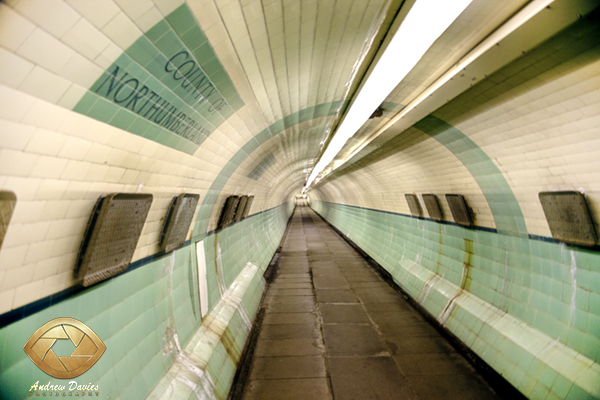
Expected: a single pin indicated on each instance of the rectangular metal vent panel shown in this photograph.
(460, 210)
(228, 211)
(7, 206)
(433, 207)
(239, 212)
(177, 223)
(569, 217)
(111, 236)
(414, 205)
(248, 205)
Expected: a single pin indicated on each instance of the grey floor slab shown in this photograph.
(288, 367)
(343, 314)
(334, 329)
(288, 389)
(289, 347)
(290, 331)
(368, 378)
(352, 340)
(336, 296)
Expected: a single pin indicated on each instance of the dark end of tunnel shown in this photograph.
(496, 381)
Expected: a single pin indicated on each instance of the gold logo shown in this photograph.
(88, 348)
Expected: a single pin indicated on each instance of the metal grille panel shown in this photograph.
(248, 205)
(460, 210)
(228, 212)
(111, 236)
(178, 221)
(239, 212)
(7, 206)
(433, 207)
(414, 205)
(569, 217)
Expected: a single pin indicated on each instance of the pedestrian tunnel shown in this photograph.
(275, 198)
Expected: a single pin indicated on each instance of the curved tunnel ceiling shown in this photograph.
(215, 98)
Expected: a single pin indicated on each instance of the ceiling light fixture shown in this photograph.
(499, 34)
(425, 22)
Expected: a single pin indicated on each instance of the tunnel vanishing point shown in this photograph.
(169, 168)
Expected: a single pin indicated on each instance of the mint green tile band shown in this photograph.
(495, 292)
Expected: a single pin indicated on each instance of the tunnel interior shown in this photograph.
(153, 154)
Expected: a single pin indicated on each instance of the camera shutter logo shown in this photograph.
(88, 348)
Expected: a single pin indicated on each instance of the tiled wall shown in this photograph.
(529, 308)
(527, 305)
(140, 313)
(56, 57)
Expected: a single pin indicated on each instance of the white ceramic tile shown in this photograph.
(54, 283)
(9, 159)
(15, 136)
(37, 252)
(122, 31)
(55, 16)
(74, 148)
(81, 71)
(55, 209)
(149, 19)
(135, 8)
(108, 56)
(13, 69)
(52, 189)
(14, 28)
(48, 167)
(86, 39)
(99, 12)
(10, 257)
(6, 300)
(75, 171)
(45, 50)
(167, 6)
(115, 174)
(46, 268)
(72, 96)
(44, 84)
(45, 115)
(14, 104)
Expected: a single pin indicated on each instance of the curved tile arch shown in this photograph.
(209, 201)
(502, 201)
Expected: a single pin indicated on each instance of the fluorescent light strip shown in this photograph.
(423, 25)
(499, 34)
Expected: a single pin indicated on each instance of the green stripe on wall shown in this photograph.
(168, 86)
(209, 202)
(500, 197)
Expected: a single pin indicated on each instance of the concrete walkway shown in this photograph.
(333, 328)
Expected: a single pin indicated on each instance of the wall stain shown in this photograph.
(228, 342)
(467, 266)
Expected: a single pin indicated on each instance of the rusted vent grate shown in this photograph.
(248, 205)
(228, 212)
(569, 217)
(111, 236)
(177, 223)
(239, 212)
(433, 206)
(7, 206)
(414, 205)
(460, 210)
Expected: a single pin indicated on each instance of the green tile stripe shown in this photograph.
(168, 86)
(214, 352)
(133, 312)
(498, 193)
(518, 310)
(210, 200)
